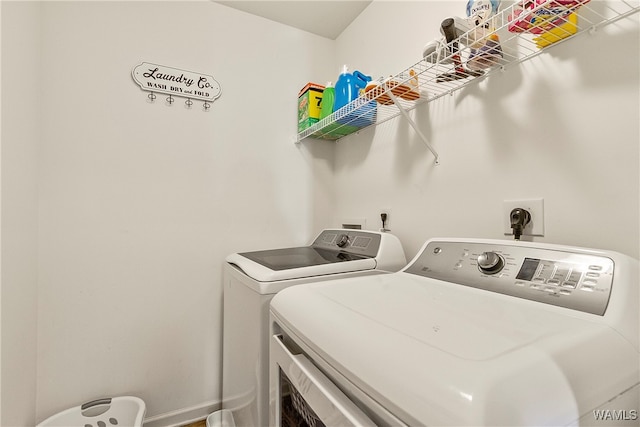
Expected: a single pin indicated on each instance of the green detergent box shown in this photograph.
(309, 100)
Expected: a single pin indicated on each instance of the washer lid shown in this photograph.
(436, 353)
(298, 262)
(306, 256)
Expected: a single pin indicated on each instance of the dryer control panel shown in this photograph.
(577, 280)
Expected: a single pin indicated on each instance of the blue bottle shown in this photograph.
(348, 87)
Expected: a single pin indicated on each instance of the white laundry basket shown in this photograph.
(221, 418)
(123, 411)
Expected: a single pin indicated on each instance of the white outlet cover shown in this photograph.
(535, 208)
(386, 210)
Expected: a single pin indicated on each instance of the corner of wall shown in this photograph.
(18, 210)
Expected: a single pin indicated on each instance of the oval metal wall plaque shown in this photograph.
(174, 81)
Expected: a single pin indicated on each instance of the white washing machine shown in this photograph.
(251, 279)
(471, 332)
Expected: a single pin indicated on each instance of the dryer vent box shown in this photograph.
(353, 223)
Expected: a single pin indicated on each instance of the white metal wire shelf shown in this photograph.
(437, 74)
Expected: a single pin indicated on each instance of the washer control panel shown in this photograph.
(353, 241)
(577, 280)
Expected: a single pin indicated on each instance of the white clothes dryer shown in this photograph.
(471, 332)
(251, 279)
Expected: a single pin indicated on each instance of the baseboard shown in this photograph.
(183, 416)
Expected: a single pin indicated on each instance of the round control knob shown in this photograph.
(343, 239)
(490, 262)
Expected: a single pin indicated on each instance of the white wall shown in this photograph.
(20, 135)
(136, 204)
(562, 126)
(139, 203)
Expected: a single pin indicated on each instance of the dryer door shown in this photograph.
(303, 396)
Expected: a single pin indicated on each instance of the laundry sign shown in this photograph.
(174, 81)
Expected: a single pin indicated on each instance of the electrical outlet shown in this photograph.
(388, 220)
(535, 208)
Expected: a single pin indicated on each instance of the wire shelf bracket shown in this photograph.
(413, 124)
